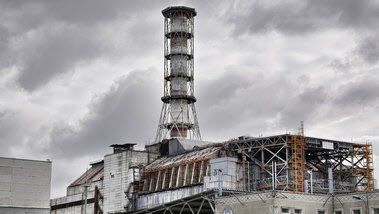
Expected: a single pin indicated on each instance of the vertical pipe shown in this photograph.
(219, 182)
(286, 163)
(273, 175)
(248, 177)
(263, 159)
(330, 179)
(95, 201)
(243, 169)
(311, 181)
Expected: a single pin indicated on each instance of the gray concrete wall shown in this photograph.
(349, 202)
(308, 203)
(24, 183)
(79, 209)
(74, 210)
(117, 177)
(12, 210)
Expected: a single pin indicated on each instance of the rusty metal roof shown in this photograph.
(95, 173)
(185, 158)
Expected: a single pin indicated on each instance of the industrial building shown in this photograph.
(101, 189)
(24, 186)
(181, 174)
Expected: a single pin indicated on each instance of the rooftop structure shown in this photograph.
(290, 163)
(84, 195)
(107, 186)
(178, 115)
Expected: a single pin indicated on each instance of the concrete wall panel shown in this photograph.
(24, 183)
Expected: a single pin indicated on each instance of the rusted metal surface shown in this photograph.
(97, 199)
(183, 159)
(95, 173)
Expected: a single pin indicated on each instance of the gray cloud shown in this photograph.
(128, 113)
(303, 106)
(45, 39)
(305, 16)
(369, 49)
(361, 93)
(55, 52)
(254, 103)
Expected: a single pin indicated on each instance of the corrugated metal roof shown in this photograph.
(193, 156)
(95, 173)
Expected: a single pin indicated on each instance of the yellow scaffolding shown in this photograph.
(363, 170)
(297, 162)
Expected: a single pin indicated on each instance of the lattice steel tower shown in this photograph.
(178, 116)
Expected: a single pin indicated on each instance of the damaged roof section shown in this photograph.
(95, 173)
(184, 169)
(199, 154)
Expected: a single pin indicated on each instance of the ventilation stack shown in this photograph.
(178, 116)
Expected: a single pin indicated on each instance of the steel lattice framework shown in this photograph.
(178, 115)
(288, 158)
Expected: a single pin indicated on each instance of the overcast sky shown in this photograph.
(77, 76)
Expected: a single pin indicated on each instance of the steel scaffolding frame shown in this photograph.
(297, 162)
(351, 163)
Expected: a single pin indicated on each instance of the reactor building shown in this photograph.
(181, 174)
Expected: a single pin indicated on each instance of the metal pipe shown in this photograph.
(311, 181)
(330, 179)
(219, 182)
(96, 202)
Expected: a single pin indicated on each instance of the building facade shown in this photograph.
(107, 186)
(24, 186)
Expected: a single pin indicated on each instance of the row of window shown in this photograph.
(288, 210)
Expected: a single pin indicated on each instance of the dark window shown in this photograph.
(338, 212)
(285, 210)
(356, 211)
(376, 210)
(298, 211)
(321, 212)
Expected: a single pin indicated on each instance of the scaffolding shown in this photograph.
(363, 168)
(283, 161)
(298, 163)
